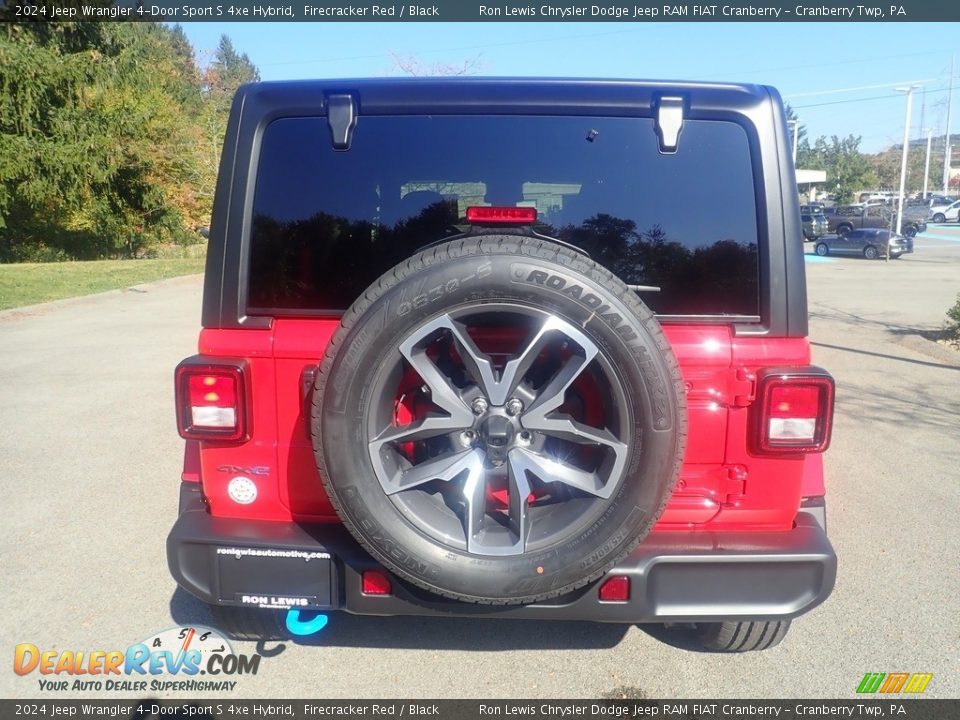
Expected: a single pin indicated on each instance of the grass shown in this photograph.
(28, 283)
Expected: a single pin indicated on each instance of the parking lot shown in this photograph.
(91, 473)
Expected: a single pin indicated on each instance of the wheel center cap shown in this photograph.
(497, 432)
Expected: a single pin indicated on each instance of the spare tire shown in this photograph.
(499, 420)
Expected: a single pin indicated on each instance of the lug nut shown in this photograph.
(525, 438)
(467, 437)
(480, 406)
(514, 407)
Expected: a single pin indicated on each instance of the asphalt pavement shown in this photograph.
(90, 473)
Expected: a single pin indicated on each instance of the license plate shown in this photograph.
(276, 578)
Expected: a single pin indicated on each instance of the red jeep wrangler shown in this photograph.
(469, 349)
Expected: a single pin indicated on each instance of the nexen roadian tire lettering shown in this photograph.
(503, 441)
(571, 289)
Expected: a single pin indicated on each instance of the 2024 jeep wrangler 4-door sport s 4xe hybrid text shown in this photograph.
(465, 353)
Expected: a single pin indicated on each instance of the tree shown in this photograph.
(800, 130)
(886, 165)
(848, 170)
(414, 66)
(98, 139)
(229, 70)
(220, 81)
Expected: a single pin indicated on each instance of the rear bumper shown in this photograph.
(674, 576)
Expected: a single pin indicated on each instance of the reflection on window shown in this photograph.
(326, 224)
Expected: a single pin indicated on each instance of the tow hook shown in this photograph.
(299, 626)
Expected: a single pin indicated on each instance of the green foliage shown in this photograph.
(848, 170)
(887, 164)
(221, 79)
(801, 130)
(230, 69)
(108, 133)
(952, 330)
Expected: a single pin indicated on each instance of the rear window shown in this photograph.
(326, 224)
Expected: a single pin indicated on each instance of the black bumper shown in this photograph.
(675, 576)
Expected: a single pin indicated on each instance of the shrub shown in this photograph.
(952, 330)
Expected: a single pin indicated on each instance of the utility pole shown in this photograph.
(946, 138)
(923, 110)
(926, 167)
(795, 124)
(906, 144)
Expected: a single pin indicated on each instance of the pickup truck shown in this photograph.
(854, 217)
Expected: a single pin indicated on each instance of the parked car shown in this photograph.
(914, 221)
(854, 217)
(875, 197)
(934, 200)
(871, 243)
(945, 213)
(814, 225)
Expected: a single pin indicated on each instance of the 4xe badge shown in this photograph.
(261, 470)
(167, 661)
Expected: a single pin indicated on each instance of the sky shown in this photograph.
(839, 76)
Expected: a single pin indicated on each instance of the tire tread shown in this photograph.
(244, 623)
(742, 636)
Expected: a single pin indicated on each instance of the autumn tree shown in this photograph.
(221, 79)
(103, 129)
(887, 164)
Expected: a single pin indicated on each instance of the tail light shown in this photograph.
(211, 399)
(482, 215)
(793, 411)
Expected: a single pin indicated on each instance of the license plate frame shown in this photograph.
(276, 578)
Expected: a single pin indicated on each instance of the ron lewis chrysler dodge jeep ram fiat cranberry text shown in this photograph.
(467, 351)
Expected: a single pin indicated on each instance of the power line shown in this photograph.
(861, 87)
(828, 64)
(530, 41)
(866, 99)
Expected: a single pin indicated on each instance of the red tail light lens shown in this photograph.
(211, 401)
(615, 589)
(374, 582)
(501, 215)
(795, 411)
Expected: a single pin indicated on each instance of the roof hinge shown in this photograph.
(669, 123)
(342, 119)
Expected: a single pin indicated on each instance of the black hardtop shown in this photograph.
(484, 95)
(757, 108)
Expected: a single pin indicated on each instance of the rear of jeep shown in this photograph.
(467, 351)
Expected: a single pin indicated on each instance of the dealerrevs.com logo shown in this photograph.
(172, 660)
